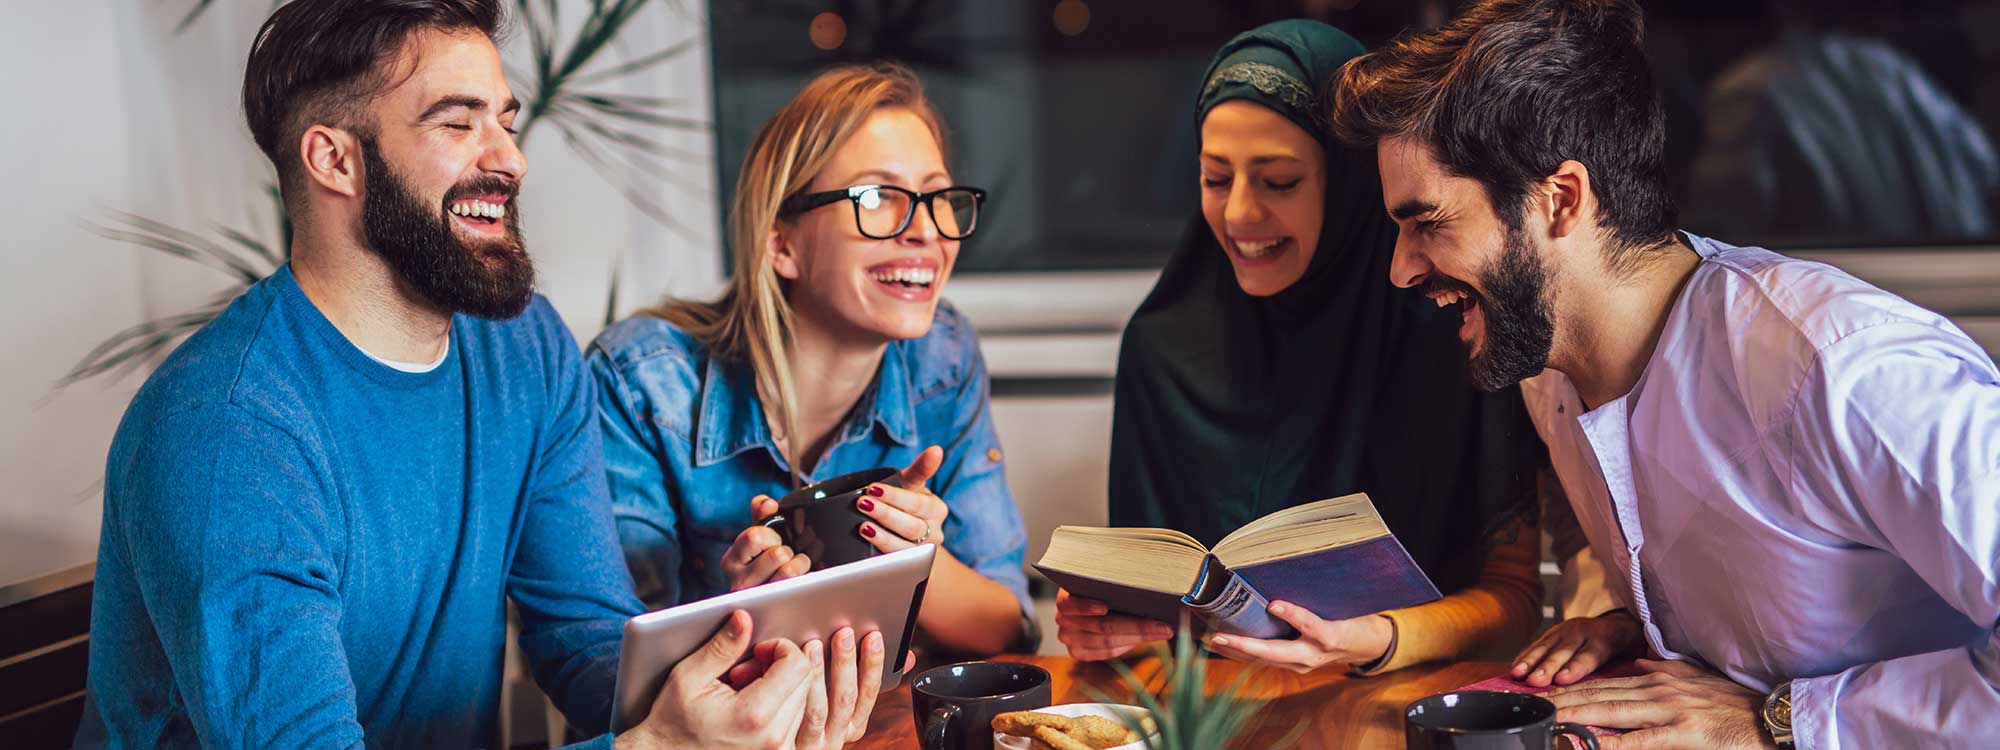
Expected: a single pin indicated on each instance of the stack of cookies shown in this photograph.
(1047, 731)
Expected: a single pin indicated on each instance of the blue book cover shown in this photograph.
(1343, 582)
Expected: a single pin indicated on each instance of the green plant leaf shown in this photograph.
(640, 198)
(163, 237)
(243, 258)
(602, 26)
(284, 220)
(641, 64)
(605, 129)
(202, 5)
(255, 246)
(192, 14)
(1162, 719)
(634, 109)
(1187, 716)
(647, 153)
(127, 349)
(611, 296)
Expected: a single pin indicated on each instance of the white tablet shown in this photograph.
(880, 593)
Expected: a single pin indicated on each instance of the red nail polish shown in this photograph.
(868, 531)
(866, 505)
(874, 489)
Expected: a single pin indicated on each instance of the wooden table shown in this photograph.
(1340, 711)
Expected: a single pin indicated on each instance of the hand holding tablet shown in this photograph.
(842, 615)
(694, 707)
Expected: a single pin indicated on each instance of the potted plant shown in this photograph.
(1186, 715)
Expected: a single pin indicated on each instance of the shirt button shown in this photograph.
(993, 454)
(697, 564)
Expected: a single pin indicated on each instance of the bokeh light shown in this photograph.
(828, 30)
(1072, 17)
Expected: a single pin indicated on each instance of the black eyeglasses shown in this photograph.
(883, 212)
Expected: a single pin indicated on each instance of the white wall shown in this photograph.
(108, 110)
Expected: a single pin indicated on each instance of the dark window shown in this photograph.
(1831, 123)
(1792, 123)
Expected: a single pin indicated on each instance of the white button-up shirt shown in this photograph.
(1804, 485)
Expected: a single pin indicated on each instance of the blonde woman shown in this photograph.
(830, 352)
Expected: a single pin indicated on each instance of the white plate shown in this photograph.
(1112, 711)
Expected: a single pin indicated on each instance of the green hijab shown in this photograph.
(1229, 407)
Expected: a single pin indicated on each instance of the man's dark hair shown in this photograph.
(1510, 89)
(323, 61)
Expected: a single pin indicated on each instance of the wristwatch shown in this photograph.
(1778, 715)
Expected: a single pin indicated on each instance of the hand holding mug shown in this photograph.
(759, 555)
(910, 515)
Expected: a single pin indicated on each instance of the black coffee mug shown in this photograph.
(955, 704)
(820, 521)
(1488, 720)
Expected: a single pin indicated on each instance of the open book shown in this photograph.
(1333, 557)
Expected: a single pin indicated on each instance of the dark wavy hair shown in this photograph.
(322, 62)
(1509, 90)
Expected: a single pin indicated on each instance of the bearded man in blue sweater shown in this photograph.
(318, 507)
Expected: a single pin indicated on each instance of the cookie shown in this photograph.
(1060, 741)
(1023, 723)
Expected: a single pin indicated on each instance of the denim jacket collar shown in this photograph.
(732, 420)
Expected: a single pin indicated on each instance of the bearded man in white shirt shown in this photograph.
(1792, 477)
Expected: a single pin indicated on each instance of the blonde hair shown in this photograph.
(752, 321)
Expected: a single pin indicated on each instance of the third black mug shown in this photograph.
(1488, 720)
(955, 704)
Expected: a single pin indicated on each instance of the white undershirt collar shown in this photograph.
(415, 368)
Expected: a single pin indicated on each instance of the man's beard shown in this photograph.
(1519, 327)
(489, 278)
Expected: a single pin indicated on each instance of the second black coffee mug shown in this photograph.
(1488, 720)
(955, 704)
(820, 521)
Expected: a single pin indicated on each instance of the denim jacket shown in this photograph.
(686, 446)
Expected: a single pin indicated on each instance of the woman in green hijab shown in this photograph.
(1274, 364)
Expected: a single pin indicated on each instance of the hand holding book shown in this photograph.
(1321, 643)
(1091, 632)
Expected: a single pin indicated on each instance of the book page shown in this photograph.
(1334, 522)
(1168, 536)
(1158, 560)
(1334, 507)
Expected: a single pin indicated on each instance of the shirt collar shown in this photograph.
(895, 404)
(732, 421)
(1703, 246)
